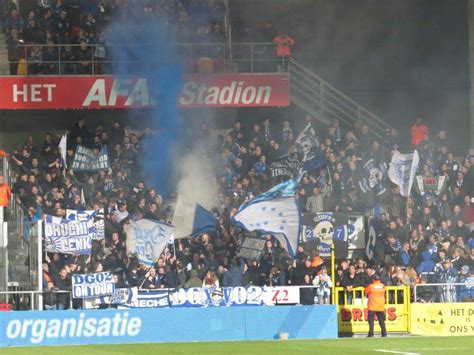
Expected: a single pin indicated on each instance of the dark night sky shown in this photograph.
(399, 58)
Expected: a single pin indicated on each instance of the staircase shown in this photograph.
(4, 66)
(325, 103)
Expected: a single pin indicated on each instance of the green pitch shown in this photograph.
(391, 345)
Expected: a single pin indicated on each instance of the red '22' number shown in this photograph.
(284, 294)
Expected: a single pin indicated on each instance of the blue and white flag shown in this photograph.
(68, 237)
(147, 239)
(402, 170)
(92, 285)
(372, 179)
(87, 159)
(191, 219)
(275, 211)
(96, 216)
(372, 237)
(119, 296)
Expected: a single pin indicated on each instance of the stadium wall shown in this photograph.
(166, 325)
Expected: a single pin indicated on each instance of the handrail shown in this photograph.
(226, 56)
(343, 107)
(389, 291)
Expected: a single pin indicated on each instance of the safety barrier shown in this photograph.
(352, 313)
(167, 325)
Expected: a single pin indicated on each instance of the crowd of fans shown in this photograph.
(419, 239)
(79, 28)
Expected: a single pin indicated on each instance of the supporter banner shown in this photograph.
(431, 185)
(252, 248)
(147, 239)
(83, 216)
(321, 229)
(444, 319)
(86, 159)
(119, 296)
(288, 165)
(215, 297)
(219, 90)
(92, 285)
(68, 237)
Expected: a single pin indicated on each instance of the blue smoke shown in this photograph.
(142, 46)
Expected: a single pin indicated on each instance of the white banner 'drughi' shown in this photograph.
(68, 237)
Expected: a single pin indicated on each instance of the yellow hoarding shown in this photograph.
(442, 318)
(353, 318)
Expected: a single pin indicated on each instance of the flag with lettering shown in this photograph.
(96, 216)
(68, 237)
(87, 159)
(147, 239)
(402, 170)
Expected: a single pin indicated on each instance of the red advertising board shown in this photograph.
(108, 92)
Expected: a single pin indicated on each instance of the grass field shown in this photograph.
(392, 345)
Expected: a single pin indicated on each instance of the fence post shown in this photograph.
(40, 264)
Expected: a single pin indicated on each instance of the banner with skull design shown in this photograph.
(322, 229)
(372, 175)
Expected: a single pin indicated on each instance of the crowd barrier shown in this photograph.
(352, 313)
(167, 325)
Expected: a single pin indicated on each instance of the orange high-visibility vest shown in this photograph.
(5, 194)
(376, 293)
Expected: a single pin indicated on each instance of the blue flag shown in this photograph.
(204, 221)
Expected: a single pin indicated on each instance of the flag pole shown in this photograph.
(333, 273)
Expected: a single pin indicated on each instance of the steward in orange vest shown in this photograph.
(376, 305)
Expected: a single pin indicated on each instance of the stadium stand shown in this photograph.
(424, 239)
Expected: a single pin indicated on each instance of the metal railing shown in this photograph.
(97, 59)
(34, 299)
(321, 98)
(356, 296)
(443, 292)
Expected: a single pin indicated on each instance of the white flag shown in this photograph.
(63, 149)
(402, 170)
(147, 239)
(276, 216)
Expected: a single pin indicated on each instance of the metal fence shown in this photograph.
(27, 300)
(450, 292)
(97, 59)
